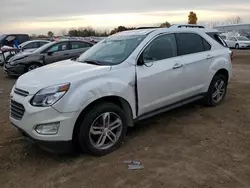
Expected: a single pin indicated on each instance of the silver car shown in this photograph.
(32, 45)
(48, 53)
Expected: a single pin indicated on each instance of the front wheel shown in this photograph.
(32, 67)
(102, 129)
(217, 90)
(237, 46)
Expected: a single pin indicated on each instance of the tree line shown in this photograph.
(89, 31)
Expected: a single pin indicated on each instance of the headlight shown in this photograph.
(50, 95)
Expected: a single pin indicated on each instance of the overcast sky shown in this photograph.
(39, 16)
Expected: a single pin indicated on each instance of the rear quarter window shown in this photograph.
(217, 38)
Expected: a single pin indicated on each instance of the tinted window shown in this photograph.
(207, 46)
(217, 37)
(189, 43)
(62, 46)
(2, 37)
(77, 45)
(162, 47)
(42, 43)
(31, 45)
(22, 38)
(88, 44)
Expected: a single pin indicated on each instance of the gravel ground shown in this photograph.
(189, 147)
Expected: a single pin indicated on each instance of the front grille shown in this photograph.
(21, 92)
(16, 110)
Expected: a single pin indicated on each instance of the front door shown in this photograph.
(57, 52)
(160, 80)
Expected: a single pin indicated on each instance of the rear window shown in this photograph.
(218, 38)
(22, 38)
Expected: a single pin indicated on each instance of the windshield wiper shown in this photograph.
(92, 62)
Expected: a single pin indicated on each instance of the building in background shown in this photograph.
(242, 29)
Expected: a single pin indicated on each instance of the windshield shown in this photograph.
(2, 37)
(44, 47)
(242, 38)
(112, 50)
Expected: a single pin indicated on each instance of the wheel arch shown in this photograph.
(223, 72)
(121, 102)
(31, 63)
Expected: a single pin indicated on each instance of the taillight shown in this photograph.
(231, 55)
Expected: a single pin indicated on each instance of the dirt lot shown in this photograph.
(190, 147)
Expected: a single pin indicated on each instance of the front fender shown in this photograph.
(82, 95)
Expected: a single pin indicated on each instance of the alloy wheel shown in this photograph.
(32, 67)
(105, 130)
(219, 91)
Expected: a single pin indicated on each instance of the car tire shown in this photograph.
(32, 66)
(217, 90)
(95, 128)
(237, 46)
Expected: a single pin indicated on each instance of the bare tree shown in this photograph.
(234, 20)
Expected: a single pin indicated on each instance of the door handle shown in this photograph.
(209, 57)
(177, 65)
(65, 54)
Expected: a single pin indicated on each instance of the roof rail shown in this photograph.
(147, 27)
(187, 26)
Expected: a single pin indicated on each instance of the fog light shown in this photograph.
(48, 129)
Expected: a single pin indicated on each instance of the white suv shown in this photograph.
(90, 101)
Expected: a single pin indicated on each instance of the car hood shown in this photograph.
(244, 42)
(67, 71)
(19, 56)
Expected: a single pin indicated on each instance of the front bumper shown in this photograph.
(14, 70)
(50, 146)
(34, 116)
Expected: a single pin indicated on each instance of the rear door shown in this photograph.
(77, 48)
(57, 52)
(196, 58)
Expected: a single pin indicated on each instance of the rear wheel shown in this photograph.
(102, 129)
(237, 46)
(217, 90)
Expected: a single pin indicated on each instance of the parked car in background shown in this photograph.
(10, 40)
(223, 37)
(31, 45)
(90, 102)
(238, 42)
(7, 39)
(47, 54)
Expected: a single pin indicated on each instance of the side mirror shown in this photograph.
(74, 58)
(49, 53)
(140, 61)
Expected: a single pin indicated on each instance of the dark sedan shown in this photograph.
(49, 53)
